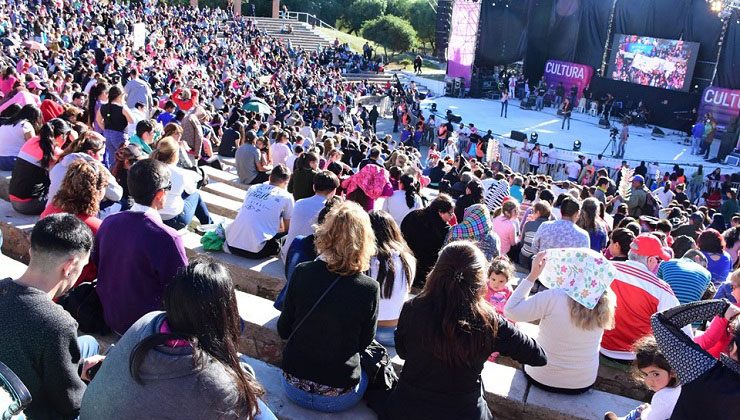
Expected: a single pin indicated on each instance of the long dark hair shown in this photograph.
(29, 112)
(97, 90)
(455, 290)
(201, 308)
(47, 139)
(409, 186)
(388, 240)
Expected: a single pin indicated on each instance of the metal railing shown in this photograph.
(307, 18)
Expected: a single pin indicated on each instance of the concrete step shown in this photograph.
(11, 268)
(224, 177)
(5, 184)
(264, 278)
(221, 206)
(226, 191)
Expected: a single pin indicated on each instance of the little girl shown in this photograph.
(652, 368)
(500, 274)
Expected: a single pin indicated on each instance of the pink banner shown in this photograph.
(463, 39)
(569, 74)
(724, 104)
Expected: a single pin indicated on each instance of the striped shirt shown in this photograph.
(688, 279)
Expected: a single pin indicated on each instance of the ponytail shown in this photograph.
(47, 139)
(410, 188)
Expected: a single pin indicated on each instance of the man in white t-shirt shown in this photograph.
(573, 169)
(257, 230)
(306, 210)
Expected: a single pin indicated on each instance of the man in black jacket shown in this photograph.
(39, 339)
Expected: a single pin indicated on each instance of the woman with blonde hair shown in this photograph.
(183, 201)
(330, 315)
(82, 188)
(569, 332)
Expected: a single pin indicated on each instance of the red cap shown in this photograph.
(648, 245)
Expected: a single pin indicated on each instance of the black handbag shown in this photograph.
(83, 303)
(376, 362)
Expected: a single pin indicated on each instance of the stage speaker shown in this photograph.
(604, 123)
(729, 141)
(517, 135)
(657, 132)
(714, 149)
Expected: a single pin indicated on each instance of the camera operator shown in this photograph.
(623, 137)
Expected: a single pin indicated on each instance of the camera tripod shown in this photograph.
(612, 140)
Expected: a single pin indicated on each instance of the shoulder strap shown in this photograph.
(310, 311)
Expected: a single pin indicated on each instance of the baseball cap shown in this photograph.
(649, 246)
(638, 178)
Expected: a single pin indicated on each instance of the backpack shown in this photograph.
(651, 206)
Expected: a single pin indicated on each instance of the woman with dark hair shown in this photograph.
(15, 131)
(183, 362)
(113, 118)
(126, 156)
(589, 221)
(404, 200)
(425, 231)
(730, 207)
(474, 194)
(330, 314)
(29, 184)
(367, 185)
(446, 334)
(301, 182)
(712, 245)
(393, 267)
(718, 222)
(98, 97)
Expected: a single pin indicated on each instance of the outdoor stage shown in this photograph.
(484, 113)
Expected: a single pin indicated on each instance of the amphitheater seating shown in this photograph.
(259, 281)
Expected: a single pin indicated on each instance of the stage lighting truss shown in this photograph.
(725, 9)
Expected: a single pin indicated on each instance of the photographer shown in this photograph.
(623, 137)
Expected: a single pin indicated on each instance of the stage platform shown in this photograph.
(484, 113)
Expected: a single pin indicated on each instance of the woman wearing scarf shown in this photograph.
(477, 227)
(366, 186)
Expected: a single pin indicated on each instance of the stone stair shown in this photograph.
(303, 36)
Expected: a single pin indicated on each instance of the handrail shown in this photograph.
(308, 19)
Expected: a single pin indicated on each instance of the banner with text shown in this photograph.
(724, 104)
(569, 74)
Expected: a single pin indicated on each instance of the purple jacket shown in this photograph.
(137, 256)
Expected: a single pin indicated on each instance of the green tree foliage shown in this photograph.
(399, 8)
(424, 20)
(391, 32)
(362, 11)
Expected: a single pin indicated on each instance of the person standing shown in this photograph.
(418, 62)
(138, 91)
(113, 118)
(624, 135)
(373, 117)
(541, 91)
(505, 104)
(567, 110)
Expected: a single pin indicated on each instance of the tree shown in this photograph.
(424, 20)
(362, 11)
(399, 8)
(391, 32)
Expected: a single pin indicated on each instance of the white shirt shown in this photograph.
(140, 208)
(665, 197)
(182, 180)
(573, 169)
(259, 218)
(12, 138)
(398, 208)
(280, 153)
(390, 308)
(290, 162)
(305, 213)
(307, 133)
(662, 404)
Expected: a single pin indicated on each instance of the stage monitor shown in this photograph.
(656, 62)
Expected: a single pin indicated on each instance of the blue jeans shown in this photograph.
(540, 103)
(194, 207)
(386, 336)
(326, 404)
(88, 345)
(7, 163)
(695, 145)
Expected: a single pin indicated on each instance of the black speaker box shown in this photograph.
(517, 135)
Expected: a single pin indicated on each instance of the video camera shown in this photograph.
(614, 132)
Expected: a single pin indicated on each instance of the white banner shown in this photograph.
(139, 35)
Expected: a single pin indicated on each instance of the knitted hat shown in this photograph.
(50, 110)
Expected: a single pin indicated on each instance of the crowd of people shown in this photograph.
(381, 242)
